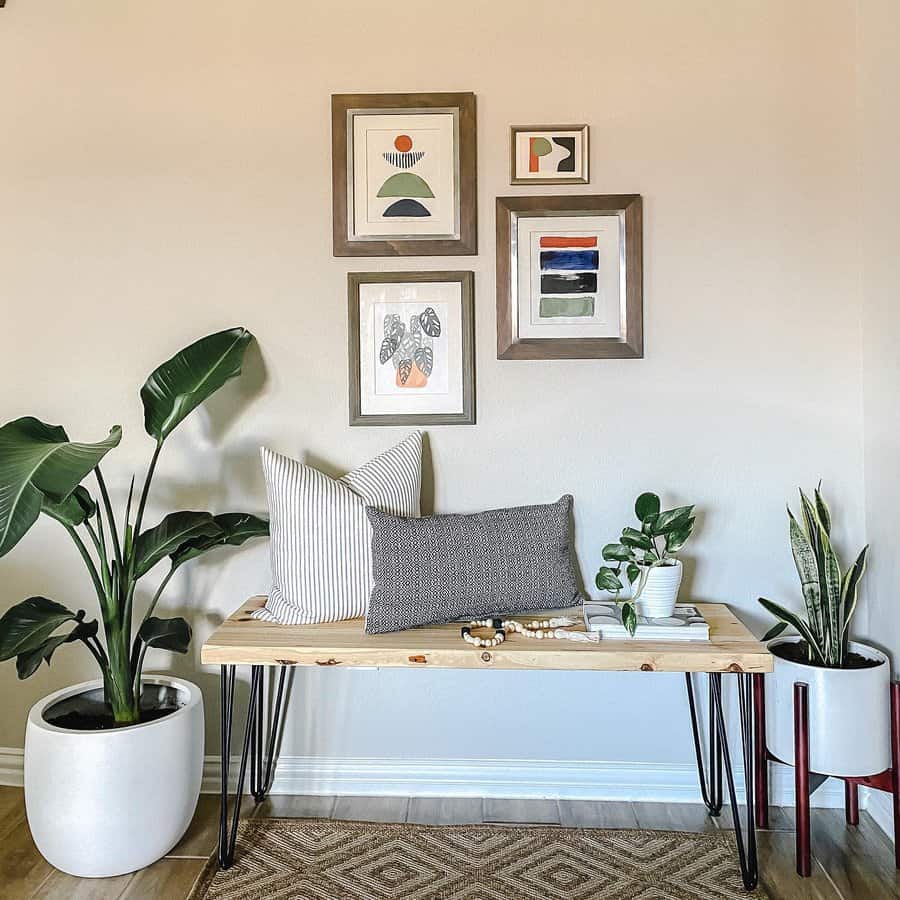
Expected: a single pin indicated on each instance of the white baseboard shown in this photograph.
(517, 778)
(881, 809)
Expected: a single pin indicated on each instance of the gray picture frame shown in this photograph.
(466, 281)
(584, 132)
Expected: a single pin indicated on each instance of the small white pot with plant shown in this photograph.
(848, 682)
(645, 555)
(113, 766)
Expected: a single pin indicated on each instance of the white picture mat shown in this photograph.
(374, 301)
(548, 162)
(434, 133)
(607, 318)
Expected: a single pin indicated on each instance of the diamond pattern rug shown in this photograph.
(319, 859)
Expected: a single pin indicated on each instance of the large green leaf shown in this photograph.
(631, 537)
(629, 617)
(182, 383)
(794, 620)
(646, 505)
(235, 529)
(832, 601)
(672, 519)
(166, 634)
(607, 580)
(37, 461)
(164, 539)
(850, 590)
(678, 537)
(28, 624)
(617, 553)
(77, 507)
(27, 663)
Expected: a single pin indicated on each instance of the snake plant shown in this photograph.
(830, 595)
(41, 472)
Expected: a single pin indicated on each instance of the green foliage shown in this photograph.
(662, 533)
(830, 597)
(41, 471)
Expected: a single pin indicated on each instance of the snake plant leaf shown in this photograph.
(166, 634)
(831, 570)
(631, 537)
(617, 553)
(175, 529)
(27, 663)
(774, 631)
(607, 580)
(672, 519)
(77, 507)
(629, 618)
(808, 570)
(646, 505)
(37, 461)
(183, 382)
(794, 620)
(28, 624)
(822, 509)
(850, 589)
(235, 529)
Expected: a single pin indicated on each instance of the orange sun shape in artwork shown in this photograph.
(403, 143)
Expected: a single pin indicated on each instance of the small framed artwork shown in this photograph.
(549, 154)
(569, 277)
(403, 174)
(412, 337)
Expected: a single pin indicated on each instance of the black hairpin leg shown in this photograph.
(720, 760)
(261, 770)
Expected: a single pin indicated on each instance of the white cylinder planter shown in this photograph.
(849, 713)
(660, 591)
(103, 803)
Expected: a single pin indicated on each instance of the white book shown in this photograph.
(685, 624)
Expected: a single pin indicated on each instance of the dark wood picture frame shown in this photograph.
(342, 107)
(574, 179)
(630, 342)
(466, 281)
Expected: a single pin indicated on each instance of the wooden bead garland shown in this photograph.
(537, 629)
(495, 640)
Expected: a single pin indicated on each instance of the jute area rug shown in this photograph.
(317, 859)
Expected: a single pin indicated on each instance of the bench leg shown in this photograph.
(261, 769)
(711, 787)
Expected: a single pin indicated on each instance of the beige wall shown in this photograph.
(879, 89)
(166, 172)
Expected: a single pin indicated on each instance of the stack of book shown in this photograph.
(685, 624)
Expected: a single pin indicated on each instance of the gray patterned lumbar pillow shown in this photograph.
(440, 568)
(321, 544)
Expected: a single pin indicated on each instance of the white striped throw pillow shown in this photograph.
(321, 539)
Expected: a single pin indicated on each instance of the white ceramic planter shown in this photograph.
(849, 714)
(660, 591)
(103, 803)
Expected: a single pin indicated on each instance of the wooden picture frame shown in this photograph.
(377, 292)
(361, 228)
(580, 153)
(605, 321)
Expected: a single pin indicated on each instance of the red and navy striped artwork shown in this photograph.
(569, 268)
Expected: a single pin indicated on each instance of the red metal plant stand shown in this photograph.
(806, 782)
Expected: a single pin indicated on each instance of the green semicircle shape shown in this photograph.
(405, 184)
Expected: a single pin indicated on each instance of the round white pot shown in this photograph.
(103, 803)
(849, 714)
(660, 592)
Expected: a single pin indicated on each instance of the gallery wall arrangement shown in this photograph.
(569, 268)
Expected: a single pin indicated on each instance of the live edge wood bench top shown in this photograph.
(241, 640)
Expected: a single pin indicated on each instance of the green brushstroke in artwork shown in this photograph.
(405, 184)
(566, 307)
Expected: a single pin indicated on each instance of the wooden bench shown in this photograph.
(244, 641)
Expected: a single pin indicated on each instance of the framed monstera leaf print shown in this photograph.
(411, 348)
(403, 174)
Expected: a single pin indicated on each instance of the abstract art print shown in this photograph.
(411, 348)
(549, 154)
(403, 174)
(569, 277)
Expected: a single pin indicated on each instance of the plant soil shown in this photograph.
(79, 721)
(796, 651)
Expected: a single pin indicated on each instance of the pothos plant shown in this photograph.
(640, 550)
(830, 595)
(41, 472)
(411, 350)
